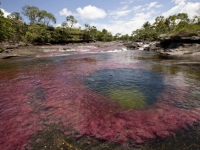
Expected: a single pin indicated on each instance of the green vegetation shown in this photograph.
(40, 30)
(173, 25)
(128, 98)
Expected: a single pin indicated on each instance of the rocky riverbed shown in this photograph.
(178, 46)
(10, 50)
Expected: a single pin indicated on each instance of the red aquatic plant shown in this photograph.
(49, 94)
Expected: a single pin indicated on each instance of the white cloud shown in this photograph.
(65, 12)
(119, 13)
(91, 12)
(126, 27)
(125, 7)
(158, 6)
(178, 1)
(121, 22)
(146, 7)
(137, 8)
(152, 4)
(120, 26)
(5, 12)
(126, 19)
(184, 7)
(143, 16)
(57, 25)
(77, 25)
(126, 1)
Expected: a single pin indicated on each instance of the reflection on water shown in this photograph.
(102, 101)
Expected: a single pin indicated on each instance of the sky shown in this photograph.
(117, 16)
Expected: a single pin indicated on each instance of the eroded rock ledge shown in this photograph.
(180, 45)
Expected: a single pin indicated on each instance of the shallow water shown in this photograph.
(126, 97)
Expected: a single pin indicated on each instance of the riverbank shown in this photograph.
(178, 46)
(44, 50)
(165, 48)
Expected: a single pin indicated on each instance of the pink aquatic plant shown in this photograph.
(56, 94)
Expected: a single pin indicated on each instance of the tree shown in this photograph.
(45, 17)
(31, 12)
(64, 24)
(1, 13)
(16, 16)
(196, 19)
(171, 22)
(104, 36)
(160, 25)
(125, 37)
(5, 27)
(18, 26)
(117, 36)
(37, 33)
(182, 17)
(71, 20)
(148, 32)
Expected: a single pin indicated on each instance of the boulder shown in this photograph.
(131, 45)
(1, 50)
(179, 40)
(9, 56)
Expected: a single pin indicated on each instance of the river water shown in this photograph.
(128, 98)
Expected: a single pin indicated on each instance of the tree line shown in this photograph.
(173, 25)
(39, 29)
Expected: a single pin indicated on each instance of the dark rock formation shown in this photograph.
(131, 45)
(178, 40)
(181, 44)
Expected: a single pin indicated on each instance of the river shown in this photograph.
(98, 99)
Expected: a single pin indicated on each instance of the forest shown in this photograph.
(41, 28)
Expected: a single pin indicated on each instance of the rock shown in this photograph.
(65, 48)
(181, 44)
(154, 47)
(9, 56)
(1, 50)
(12, 46)
(132, 45)
(175, 45)
(21, 44)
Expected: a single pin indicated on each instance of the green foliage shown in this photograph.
(6, 29)
(16, 16)
(37, 33)
(104, 36)
(39, 30)
(18, 27)
(45, 18)
(31, 12)
(37, 16)
(71, 20)
(172, 25)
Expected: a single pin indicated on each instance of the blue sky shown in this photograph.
(123, 16)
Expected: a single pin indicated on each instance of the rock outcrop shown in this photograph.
(182, 45)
